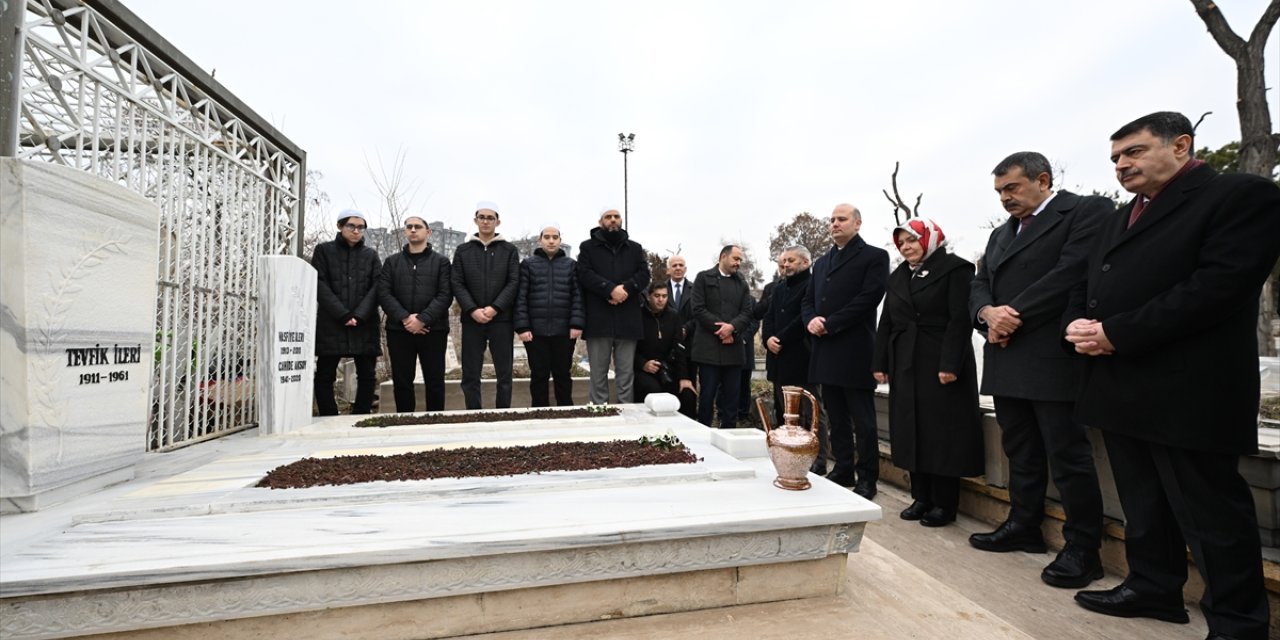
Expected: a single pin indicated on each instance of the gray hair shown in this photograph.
(800, 250)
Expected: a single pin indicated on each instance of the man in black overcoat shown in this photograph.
(1016, 300)
(1168, 319)
(346, 313)
(613, 272)
(839, 311)
(722, 306)
(787, 342)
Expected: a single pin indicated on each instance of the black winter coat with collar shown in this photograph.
(486, 276)
(602, 265)
(419, 285)
(346, 288)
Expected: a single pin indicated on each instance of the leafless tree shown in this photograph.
(1259, 145)
(317, 223)
(396, 193)
(896, 200)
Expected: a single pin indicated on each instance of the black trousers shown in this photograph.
(407, 351)
(1176, 498)
(851, 416)
(327, 374)
(1041, 438)
(550, 357)
(497, 336)
(936, 490)
(718, 388)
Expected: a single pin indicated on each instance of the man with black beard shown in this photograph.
(613, 272)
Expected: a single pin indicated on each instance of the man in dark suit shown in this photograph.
(681, 288)
(722, 306)
(1168, 319)
(787, 342)
(839, 312)
(1017, 298)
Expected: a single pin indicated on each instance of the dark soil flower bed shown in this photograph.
(477, 461)
(400, 419)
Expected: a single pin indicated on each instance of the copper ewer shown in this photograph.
(792, 448)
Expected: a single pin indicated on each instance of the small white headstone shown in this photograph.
(286, 343)
(662, 404)
(78, 264)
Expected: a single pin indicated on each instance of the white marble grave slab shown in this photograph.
(78, 265)
(203, 545)
(286, 343)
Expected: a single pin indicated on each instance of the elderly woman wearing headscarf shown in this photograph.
(924, 352)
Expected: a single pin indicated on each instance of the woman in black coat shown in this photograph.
(924, 352)
(661, 364)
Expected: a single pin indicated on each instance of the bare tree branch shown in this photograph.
(896, 199)
(1218, 28)
(395, 193)
(1202, 117)
(1262, 30)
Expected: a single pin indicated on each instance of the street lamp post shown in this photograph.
(626, 144)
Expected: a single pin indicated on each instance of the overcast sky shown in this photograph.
(745, 113)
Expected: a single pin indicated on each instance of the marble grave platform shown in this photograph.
(191, 549)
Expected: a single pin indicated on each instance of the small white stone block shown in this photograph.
(662, 404)
(78, 264)
(286, 342)
(741, 443)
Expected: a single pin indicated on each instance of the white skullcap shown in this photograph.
(606, 210)
(351, 213)
(550, 225)
(485, 204)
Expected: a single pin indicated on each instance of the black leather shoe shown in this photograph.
(1124, 602)
(915, 511)
(938, 517)
(841, 478)
(866, 489)
(818, 468)
(1010, 536)
(1074, 568)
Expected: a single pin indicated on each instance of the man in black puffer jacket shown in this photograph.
(346, 312)
(415, 293)
(549, 317)
(486, 274)
(613, 272)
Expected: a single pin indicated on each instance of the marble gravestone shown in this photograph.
(78, 267)
(286, 343)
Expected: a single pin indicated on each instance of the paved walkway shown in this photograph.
(907, 581)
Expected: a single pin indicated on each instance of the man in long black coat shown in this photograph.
(1016, 300)
(839, 311)
(783, 332)
(613, 272)
(722, 306)
(346, 313)
(1168, 319)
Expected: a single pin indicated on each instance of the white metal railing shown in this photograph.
(96, 96)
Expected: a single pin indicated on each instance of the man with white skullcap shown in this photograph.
(486, 274)
(346, 312)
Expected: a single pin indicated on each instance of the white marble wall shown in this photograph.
(78, 264)
(286, 343)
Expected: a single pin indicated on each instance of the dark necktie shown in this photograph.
(675, 297)
(1023, 223)
(1138, 207)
